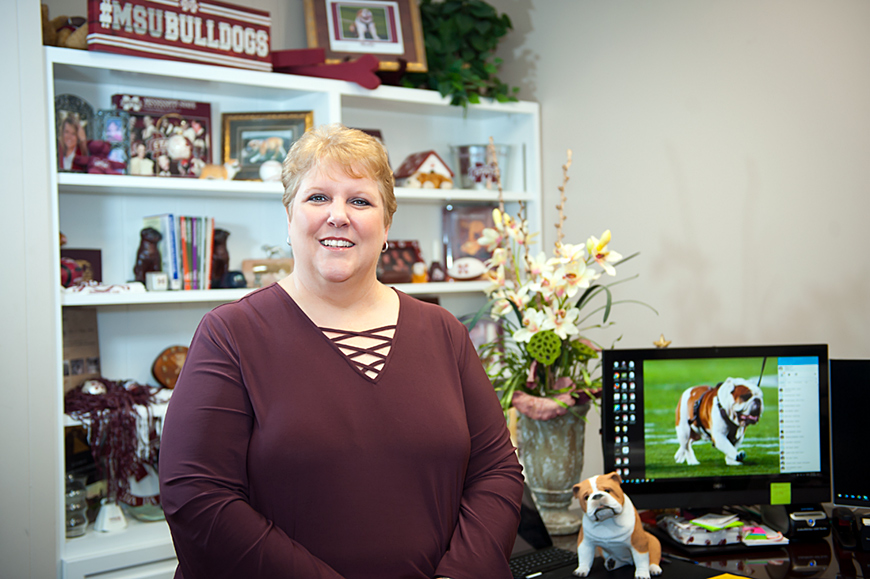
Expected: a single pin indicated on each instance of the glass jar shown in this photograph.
(76, 506)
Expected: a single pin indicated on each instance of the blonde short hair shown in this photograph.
(360, 156)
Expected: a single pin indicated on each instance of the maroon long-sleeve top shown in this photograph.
(281, 459)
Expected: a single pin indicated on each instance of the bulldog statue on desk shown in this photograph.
(611, 526)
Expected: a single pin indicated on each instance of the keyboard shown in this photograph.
(533, 564)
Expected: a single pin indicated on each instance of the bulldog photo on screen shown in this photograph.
(717, 414)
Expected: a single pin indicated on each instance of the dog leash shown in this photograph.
(763, 362)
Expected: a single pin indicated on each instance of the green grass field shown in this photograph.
(664, 383)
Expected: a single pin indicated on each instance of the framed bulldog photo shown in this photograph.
(252, 139)
(462, 227)
(391, 31)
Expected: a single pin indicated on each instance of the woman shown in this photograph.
(72, 141)
(330, 426)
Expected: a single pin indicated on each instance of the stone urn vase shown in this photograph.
(552, 455)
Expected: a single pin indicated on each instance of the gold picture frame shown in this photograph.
(251, 139)
(391, 31)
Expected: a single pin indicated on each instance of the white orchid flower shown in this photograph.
(566, 253)
(533, 322)
(598, 250)
(562, 321)
(578, 276)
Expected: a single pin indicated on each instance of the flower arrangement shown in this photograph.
(541, 363)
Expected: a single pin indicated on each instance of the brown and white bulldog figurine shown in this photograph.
(612, 526)
(721, 415)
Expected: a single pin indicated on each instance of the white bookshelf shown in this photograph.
(105, 212)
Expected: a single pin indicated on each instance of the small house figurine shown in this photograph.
(424, 170)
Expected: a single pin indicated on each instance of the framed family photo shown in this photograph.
(112, 127)
(254, 138)
(74, 117)
(389, 30)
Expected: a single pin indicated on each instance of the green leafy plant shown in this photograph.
(461, 37)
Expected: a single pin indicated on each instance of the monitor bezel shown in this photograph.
(847, 431)
(722, 491)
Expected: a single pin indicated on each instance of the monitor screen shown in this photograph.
(850, 399)
(718, 426)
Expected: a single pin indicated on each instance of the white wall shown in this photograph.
(728, 142)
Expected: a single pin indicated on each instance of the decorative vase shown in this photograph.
(552, 455)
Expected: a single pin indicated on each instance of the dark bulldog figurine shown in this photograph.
(148, 255)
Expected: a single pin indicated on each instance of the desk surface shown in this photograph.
(805, 560)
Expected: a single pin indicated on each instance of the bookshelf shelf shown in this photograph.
(219, 296)
(87, 184)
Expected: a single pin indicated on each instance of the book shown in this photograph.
(184, 246)
(168, 246)
(762, 535)
(713, 522)
(209, 251)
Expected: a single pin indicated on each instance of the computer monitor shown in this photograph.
(850, 401)
(661, 406)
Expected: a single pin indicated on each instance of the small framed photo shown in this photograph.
(254, 138)
(262, 272)
(389, 30)
(462, 227)
(89, 261)
(75, 127)
(397, 262)
(112, 126)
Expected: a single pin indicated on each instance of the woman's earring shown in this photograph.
(386, 246)
(288, 240)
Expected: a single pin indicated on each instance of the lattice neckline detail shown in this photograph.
(367, 350)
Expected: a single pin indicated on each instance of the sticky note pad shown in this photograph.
(780, 493)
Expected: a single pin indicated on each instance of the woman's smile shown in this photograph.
(336, 243)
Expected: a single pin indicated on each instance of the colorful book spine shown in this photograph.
(184, 228)
(209, 240)
(194, 252)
